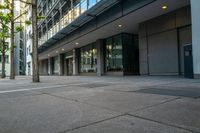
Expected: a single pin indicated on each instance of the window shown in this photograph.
(83, 6)
(76, 11)
(114, 54)
(88, 58)
(56, 65)
(91, 3)
(7, 58)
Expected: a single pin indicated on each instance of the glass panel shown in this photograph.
(114, 54)
(76, 11)
(56, 65)
(83, 6)
(70, 16)
(88, 56)
(91, 3)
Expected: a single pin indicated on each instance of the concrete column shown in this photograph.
(195, 9)
(61, 65)
(100, 58)
(50, 67)
(75, 61)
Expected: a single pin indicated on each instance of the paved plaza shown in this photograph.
(86, 104)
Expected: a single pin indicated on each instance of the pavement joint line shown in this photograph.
(74, 100)
(93, 123)
(40, 88)
(31, 89)
(163, 123)
(154, 105)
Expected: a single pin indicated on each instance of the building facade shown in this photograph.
(7, 65)
(29, 44)
(119, 37)
(20, 39)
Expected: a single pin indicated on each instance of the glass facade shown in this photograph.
(79, 7)
(56, 65)
(114, 61)
(88, 58)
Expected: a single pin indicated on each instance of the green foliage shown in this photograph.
(40, 17)
(28, 22)
(19, 28)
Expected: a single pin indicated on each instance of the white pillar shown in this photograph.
(49, 66)
(75, 62)
(195, 10)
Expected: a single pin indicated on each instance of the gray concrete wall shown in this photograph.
(100, 58)
(158, 43)
(196, 36)
(43, 67)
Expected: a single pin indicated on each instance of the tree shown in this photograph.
(5, 18)
(7, 10)
(35, 66)
(10, 7)
(12, 63)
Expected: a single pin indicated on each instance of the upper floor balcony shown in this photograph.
(80, 12)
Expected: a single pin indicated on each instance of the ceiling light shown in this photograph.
(77, 43)
(56, 51)
(63, 49)
(119, 25)
(164, 7)
(48, 55)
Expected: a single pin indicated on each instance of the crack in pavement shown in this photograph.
(163, 123)
(93, 123)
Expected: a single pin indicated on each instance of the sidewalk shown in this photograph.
(83, 104)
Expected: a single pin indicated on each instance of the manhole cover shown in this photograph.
(170, 92)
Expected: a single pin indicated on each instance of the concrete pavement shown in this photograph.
(83, 104)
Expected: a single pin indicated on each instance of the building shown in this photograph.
(119, 37)
(29, 44)
(20, 53)
(20, 46)
(7, 65)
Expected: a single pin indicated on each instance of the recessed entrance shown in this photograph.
(69, 66)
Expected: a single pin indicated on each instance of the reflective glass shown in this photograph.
(91, 3)
(83, 6)
(114, 54)
(88, 58)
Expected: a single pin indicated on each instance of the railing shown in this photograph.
(70, 16)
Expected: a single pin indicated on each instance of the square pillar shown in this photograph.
(100, 58)
(61, 64)
(195, 9)
(50, 72)
(75, 61)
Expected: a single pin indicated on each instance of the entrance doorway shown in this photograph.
(185, 38)
(69, 66)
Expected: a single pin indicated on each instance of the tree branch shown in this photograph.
(20, 15)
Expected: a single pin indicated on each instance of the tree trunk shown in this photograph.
(3, 73)
(12, 63)
(35, 64)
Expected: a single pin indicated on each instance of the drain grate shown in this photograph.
(170, 92)
(95, 85)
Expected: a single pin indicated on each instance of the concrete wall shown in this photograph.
(159, 43)
(43, 67)
(196, 36)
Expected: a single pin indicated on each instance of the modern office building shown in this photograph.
(29, 44)
(7, 65)
(20, 46)
(119, 37)
(20, 50)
